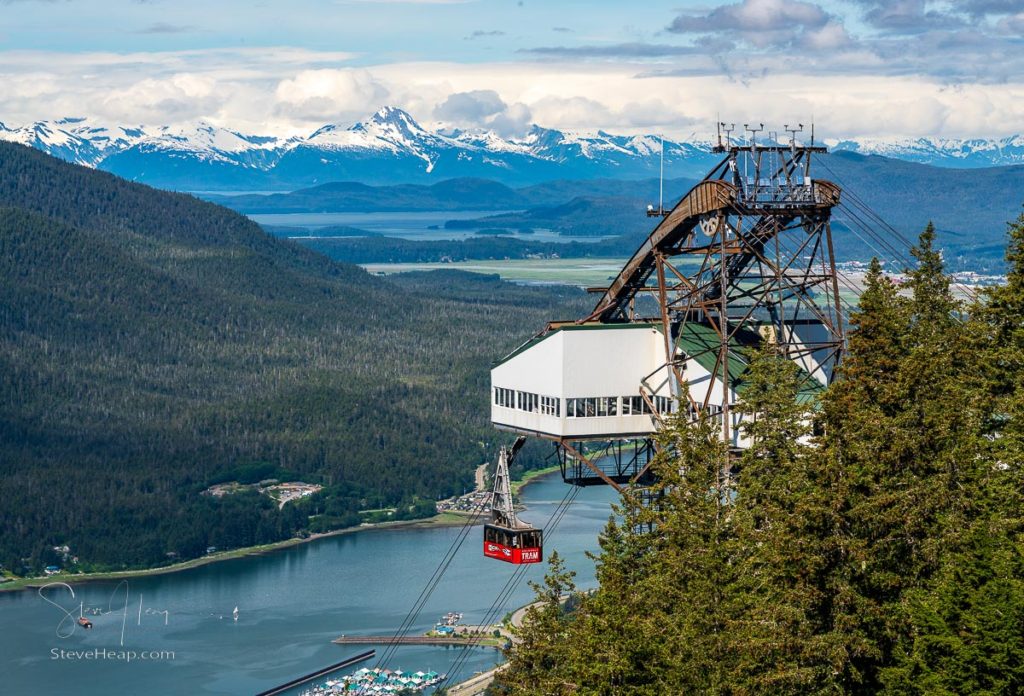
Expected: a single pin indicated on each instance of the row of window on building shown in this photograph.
(527, 401)
(585, 407)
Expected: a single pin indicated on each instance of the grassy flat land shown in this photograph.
(444, 519)
(581, 272)
(530, 476)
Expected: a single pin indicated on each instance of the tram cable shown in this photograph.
(871, 214)
(511, 585)
(432, 583)
(427, 591)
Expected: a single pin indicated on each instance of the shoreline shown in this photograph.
(444, 519)
(531, 477)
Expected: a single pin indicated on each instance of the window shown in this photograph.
(527, 401)
(592, 406)
(550, 406)
(607, 405)
(665, 404)
(635, 406)
(504, 397)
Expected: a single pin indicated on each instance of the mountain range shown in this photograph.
(392, 147)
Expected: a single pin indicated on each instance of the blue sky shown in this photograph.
(861, 68)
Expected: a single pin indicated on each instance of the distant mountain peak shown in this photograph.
(396, 123)
(393, 114)
(390, 145)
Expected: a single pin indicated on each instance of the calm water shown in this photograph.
(291, 604)
(407, 225)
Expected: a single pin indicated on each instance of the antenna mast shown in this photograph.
(661, 184)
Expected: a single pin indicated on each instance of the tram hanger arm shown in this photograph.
(516, 446)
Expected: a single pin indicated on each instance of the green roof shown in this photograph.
(700, 342)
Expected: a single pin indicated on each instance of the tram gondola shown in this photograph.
(524, 545)
(507, 538)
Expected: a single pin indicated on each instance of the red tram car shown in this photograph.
(506, 538)
(513, 545)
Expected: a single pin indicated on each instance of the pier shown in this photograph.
(487, 639)
(355, 659)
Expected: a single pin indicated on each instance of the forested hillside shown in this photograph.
(151, 344)
(872, 544)
(906, 195)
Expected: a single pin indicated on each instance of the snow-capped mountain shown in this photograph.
(942, 152)
(390, 147)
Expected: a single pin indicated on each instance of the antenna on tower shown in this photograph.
(792, 135)
(807, 160)
(753, 132)
(661, 180)
(728, 133)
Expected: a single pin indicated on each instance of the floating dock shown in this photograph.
(355, 659)
(420, 640)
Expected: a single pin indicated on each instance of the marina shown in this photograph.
(369, 682)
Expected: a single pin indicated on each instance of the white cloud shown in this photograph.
(484, 108)
(285, 91)
(329, 94)
(463, 108)
(574, 112)
(764, 23)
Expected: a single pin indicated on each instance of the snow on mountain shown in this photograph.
(488, 141)
(941, 152)
(56, 139)
(389, 129)
(391, 146)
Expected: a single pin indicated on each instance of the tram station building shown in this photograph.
(584, 381)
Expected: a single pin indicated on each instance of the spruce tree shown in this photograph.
(696, 555)
(998, 331)
(536, 664)
(781, 625)
(859, 414)
(657, 623)
(964, 623)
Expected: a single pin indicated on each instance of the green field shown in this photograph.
(582, 272)
(579, 272)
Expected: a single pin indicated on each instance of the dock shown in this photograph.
(462, 639)
(355, 659)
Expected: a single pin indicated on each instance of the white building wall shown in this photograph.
(583, 363)
(612, 362)
(811, 334)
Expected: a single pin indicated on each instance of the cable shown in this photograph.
(511, 584)
(506, 591)
(871, 214)
(427, 591)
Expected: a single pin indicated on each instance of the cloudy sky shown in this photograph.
(859, 68)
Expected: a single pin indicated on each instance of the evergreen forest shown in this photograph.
(152, 344)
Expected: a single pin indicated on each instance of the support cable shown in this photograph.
(427, 591)
(511, 584)
(871, 214)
